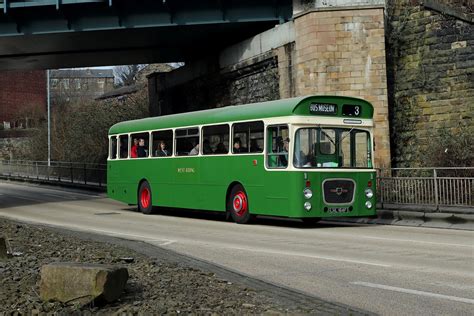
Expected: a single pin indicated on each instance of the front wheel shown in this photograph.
(144, 198)
(238, 205)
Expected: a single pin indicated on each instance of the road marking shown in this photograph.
(169, 242)
(312, 256)
(60, 196)
(25, 198)
(416, 292)
(417, 241)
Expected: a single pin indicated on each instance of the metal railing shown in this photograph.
(71, 173)
(418, 189)
(431, 189)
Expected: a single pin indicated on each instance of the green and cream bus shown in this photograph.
(309, 158)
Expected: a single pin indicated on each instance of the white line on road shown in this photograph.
(409, 291)
(417, 241)
(311, 256)
(60, 196)
(25, 198)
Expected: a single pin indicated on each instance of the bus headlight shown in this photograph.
(307, 206)
(307, 193)
(369, 193)
(368, 204)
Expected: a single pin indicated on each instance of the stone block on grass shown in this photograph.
(82, 283)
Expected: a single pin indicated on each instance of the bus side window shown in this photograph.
(113, 147)
(187, 141)
(140, 145)
(277, 146)
(123, 143)
(215, 139)
(162, 143)
(248, 137)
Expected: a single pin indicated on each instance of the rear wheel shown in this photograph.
(238, 205)
(144, 198)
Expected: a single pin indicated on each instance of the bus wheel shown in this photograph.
(238, 205)
(144, 198)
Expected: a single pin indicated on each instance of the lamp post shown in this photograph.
(49, 118)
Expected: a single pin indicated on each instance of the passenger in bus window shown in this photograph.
(254, 148)
(237, 145)
(134, 149)
(283, 159)
(141, 151)
(162, 151)
(221, 149)
(195, 150)
(206, 147)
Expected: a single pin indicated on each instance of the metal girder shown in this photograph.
(39, 17)
(56, 33)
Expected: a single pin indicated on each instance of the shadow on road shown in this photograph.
(20, 194)
(259, 220)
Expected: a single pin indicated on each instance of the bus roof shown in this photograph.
(283, 107)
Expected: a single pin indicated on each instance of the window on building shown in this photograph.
(278, 145)
(247, 137)
(77, 84)
(215, 140)
(187, 141)
(162, 143)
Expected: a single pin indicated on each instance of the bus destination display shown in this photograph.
(323, 108)
(351, 110)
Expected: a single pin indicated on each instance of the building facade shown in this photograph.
(75, 85)
(22, 98)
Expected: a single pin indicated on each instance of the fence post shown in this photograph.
(72, 175)
(435, 178)
(99, 173)
(85, 174)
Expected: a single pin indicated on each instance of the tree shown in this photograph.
(127, 75)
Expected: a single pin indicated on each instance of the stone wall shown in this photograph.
(328, 51)
(253, 80)
(431, 73)
(342, 52)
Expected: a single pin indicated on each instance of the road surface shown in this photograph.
(390, 270)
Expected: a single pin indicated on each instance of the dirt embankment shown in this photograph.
(156, 286)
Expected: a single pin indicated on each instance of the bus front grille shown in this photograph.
(338, 191)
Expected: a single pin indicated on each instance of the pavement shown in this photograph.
(384, 269)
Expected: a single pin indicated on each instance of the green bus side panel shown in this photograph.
(203, 182)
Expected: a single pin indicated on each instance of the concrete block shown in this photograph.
(82, 283)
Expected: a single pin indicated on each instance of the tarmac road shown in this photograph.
(390, 270)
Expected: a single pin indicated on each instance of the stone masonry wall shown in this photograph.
(253, 80)
(342, 52)
(431, 71)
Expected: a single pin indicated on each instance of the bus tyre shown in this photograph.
(145, 204)
(238, 205)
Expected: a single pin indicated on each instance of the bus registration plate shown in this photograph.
(338, 210)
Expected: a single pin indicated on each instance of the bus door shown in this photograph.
(187, 193)
(277, 160)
